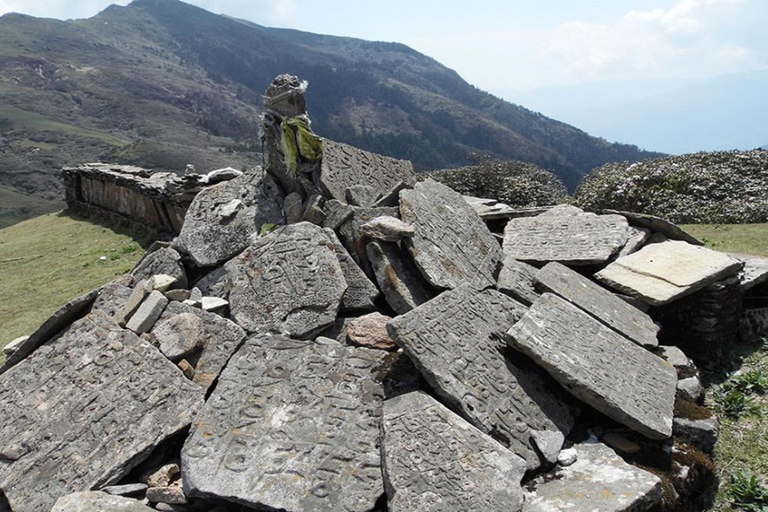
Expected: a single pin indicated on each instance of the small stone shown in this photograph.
(187, 369)
(163, 476)
(389, 229)
(371, 331)
(125, 490)
(162, 261)
(139, 293)
(313, 210)
(635, 241)
(148, 313)
(361, 292)
(701, 433)
(162, 282)
(196, 294)
(691, 388)
(337, 213)
(229, 210)
(677, 358)
(179, 336)
(362, 195)
(567, 457)
(178, 295)
(621, 444)
(214, 304)
(13, 346)
(171, 495)
(192, 303)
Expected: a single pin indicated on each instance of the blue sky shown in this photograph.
(518, 45)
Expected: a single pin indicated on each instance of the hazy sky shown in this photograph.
(500, 45)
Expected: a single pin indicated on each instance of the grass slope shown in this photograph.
(48, 260)
(739, 238)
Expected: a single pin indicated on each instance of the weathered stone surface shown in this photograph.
(583, 239)
(389, 229)
(361, 292)
(148, 313)
(352, 237)
(112, 298)
(291, 425)
(162, 283)
(222, 217)
(173, 495)
(562, 210)
(179, 336)
(755, 271)
(489, 209)
(214, 284)
(636, 239)
(84, 409)
(288, 281)
(336, 213)
(753, 325)
(217, 336)
(362, 195)
(690, 388)
(177, 295)
(392, 196)
(677, 358)
(13, 345)
(399, 279)
(371, 331)
(214, 304)
(599, 366)
(163, 475)
(63, 316)
(162, 261)
(658, 225)
(94, 501)
(344, 166)
(435, 461)
(451, 244)
(599, 481)
(663, 272)
(701, 433)
(313, 210)
(453, 341)
(598, 302)
(338, 330)
(516, 280)
(132, 303)
(293, 206)
(125, 489)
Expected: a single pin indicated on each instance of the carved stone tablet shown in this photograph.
(452, 341)
(434, 461)
(598, 365)
(361, 292)
(344, 166)
(636, 239)
(398, 277)
(582, 239)
(84, 409)
(98, 502)
(220, 218)
(598, 302)
(288, 281)
(291, 425)
(451, 245)
(516, 280)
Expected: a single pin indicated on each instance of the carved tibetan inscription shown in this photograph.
(452, 340)
(435, 461)
(78, 412)
(291, 425)
(288, 281)
(344, 166)
(451, 245)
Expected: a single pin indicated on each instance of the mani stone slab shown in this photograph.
(292, 425)
(222, 217)
(361, 292)
(579, 239)
(288, 281)
(755, 271)
(661, 273)
(84, 409)
(435, 461)
(344, 166)
(453, 341)
(94, 501)
(598, 365)
(451, 244)
(599, 302)
(599, 481)
(516, 280)
(657, 225)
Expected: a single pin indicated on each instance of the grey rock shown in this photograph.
(179, 336)
(583, 239)
(219, 175)
(84, 409)
(562, 210)
(177, 295)
(291, 425)
(112, 298)
(371, 331)
(162, 261)
(361, 292)
(568, 457)
(453, 341)
(313, 210)
(397, 276)
(338, 330)
(215, 229)
(288, 281)
(753, 325)
(344, 166)
(62, 318)
(214, 304)
(93, 501)
(214, 284)
(635, 303)
(293, 206)
(516, 280)
(389, 229)
(148, 313)
(218, 337)
(661, 273)
(701, 433)
(451, 244)
(598, 302)
(196, 293)
(489, 209)
(162, 476)
(755, 271)
(678, 359)
(392, 196)
(14, 345)
(352, 237)
(132, 303)
(336, 213)
(125, 489)
(635, 241)
(172, 495)
(691, 388)
(599, 481)
(658, 225)
(435, 461)
(162, 282)
(362, 195)
(598, 366)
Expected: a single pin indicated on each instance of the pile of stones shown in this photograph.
(360, 343)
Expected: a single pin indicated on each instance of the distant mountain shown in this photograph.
(674, 116)
(160, 83)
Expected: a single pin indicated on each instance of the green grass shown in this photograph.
(16, 207)
(48, 260)
(741, 238)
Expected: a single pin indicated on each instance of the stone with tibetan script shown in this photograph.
(361, 292)
(94, 501)
(451, 244)
(287, 281)
(292, 425)
(344, 166)
(455, 342)
(636, 239)
(516, 280)
(598, 365)
(84, 409)
(580, 239)
(598, 302)
(661, 273)
(434, 460)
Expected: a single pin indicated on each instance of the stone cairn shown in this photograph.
(342, 339)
